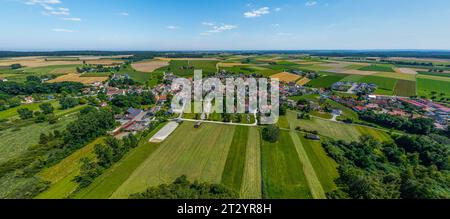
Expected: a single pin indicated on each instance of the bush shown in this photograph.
(271, 133)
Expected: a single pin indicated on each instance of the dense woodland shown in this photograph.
(411, 167)
(422, 126)
(182, 188)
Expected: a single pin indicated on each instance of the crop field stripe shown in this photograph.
(234, 167)
(405, 88)
(324, 166)
(251, 181)
(282, 171)
(313, 181)
(200, 154)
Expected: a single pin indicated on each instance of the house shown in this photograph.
(111, 91)
(133, 113)
(28, 100)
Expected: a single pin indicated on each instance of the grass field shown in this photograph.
(385, 86)
(326, 81)
(282, 174)
(405, 88)
(200, 154)
(382, 68)
(438, 74)
(324, 167)
(178, 67)
(138, 76)
(62, 175)
(106, 184)
(16, 140)
(12, 112)
(335, 130)
(427, 86)
(353, 78)
(234, 167)
(251, 180)
(400, 76)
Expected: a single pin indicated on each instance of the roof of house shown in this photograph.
(134, 112)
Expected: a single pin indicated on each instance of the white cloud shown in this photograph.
(171, 27)
(275, 25)
(40, 2)
(208, 23)
(257, 13)
(72, 19)
(124, 14)
(63, 30)
(219, 29)
(277, 9)
(310, 3)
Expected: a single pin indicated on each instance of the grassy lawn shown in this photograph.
(353, 78)
(62, 175)
(282, 122)
(251, 180)
(282, 174)
(200, 154)
(234, 167)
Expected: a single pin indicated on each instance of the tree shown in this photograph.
(68, 102)
(89, 170)
(25, 113)
(271, 133)
(34, 78)
(46, 108)
(15, 66)
(104, 155)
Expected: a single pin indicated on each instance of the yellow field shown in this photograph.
(184, 59)
(231, 64)
(286, 77)
(303, 81)
(32, 62)
(149, 65)
(76, 78)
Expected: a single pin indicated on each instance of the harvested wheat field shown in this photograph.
(303, 81)
(230, 64)
(149, 65)
(32, 62)
(406, 71)
(286, 77)
(77, 78)
(185, 59)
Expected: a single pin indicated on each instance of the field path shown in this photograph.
(251, 182)
(315, 186)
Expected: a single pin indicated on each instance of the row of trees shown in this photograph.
(32, 87)
(415, 126)
(107, 154)
(52, 148)
(411, 167)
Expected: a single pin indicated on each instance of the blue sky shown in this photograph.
(223, 24)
